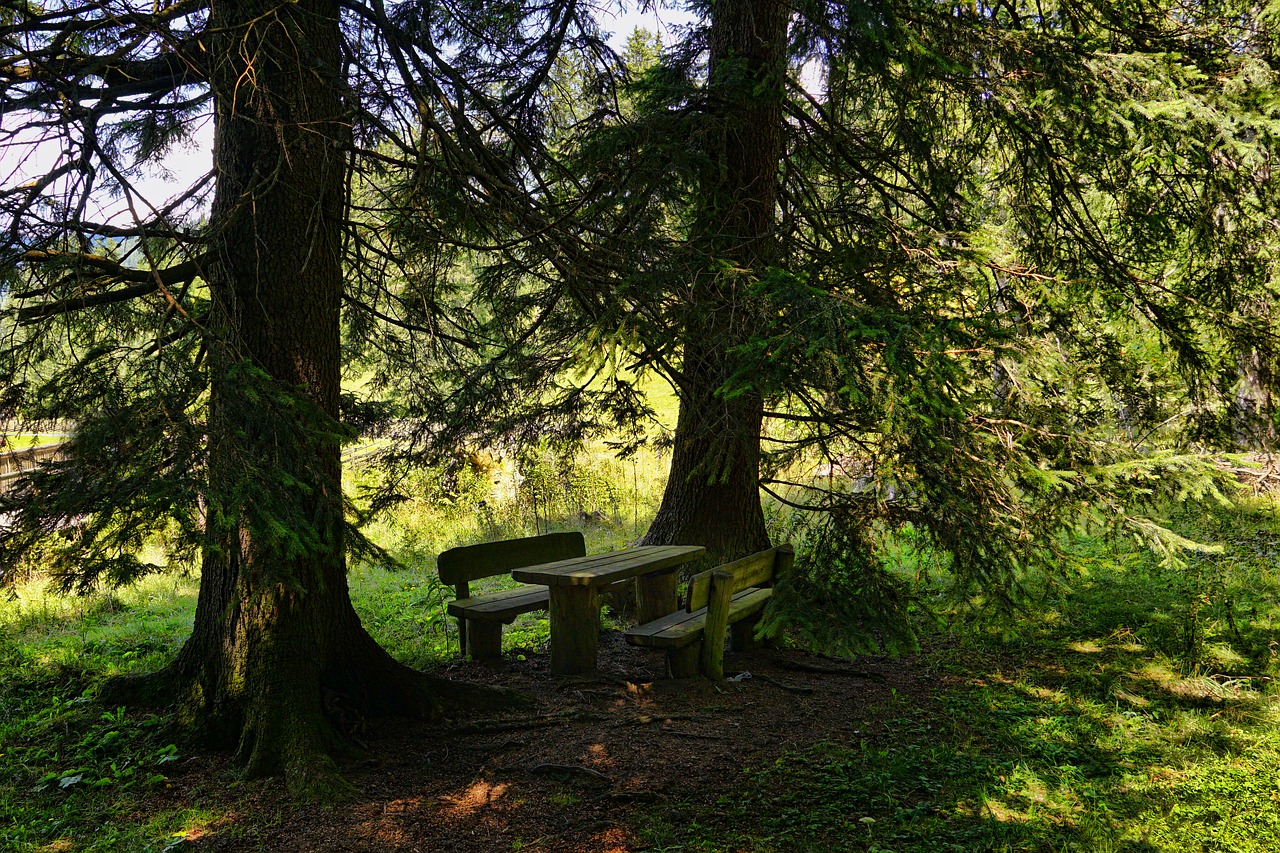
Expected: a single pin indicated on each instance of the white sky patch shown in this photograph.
(34, 153)
(621, 23)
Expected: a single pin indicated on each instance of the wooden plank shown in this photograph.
(713, 635)
(472, 562)
(681, 628)
(754, 570)
(671, 631)
(575, 629)
(501, 606)
(600, 569)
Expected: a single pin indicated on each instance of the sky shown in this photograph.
(185, 163)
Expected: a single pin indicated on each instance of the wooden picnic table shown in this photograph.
(574, 585)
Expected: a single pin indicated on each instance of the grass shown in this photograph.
(69, 766)
(23, 441)
(1133, 711)
(1036, 748)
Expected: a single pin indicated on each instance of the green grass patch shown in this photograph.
(69, 766)
(24, 441)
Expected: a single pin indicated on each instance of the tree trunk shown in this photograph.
(1252, 409)
(278, 664)
(712, 496)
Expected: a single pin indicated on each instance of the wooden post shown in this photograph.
(742, 634)
(575, 629)
(462, 590)
(655, 595)
(484, 640)
(784, 562)
(683, 662)
(717, 622)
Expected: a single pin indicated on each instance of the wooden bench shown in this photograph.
(730, 595)
(481, 617)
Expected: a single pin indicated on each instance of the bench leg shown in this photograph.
(462, 636)
(655, 595)
(742, 634)
(683, 662)
(484, 640)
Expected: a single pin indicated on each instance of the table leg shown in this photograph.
(655, 595)
(575, 629)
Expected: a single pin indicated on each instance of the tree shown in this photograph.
(929, 275)
(200, 354)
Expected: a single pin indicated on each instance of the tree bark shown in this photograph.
(712, 496)
(278, 664)
(1252, 410)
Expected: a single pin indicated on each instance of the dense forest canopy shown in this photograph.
(938, 251)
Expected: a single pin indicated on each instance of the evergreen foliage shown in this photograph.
(1020, 256)
(195, 342)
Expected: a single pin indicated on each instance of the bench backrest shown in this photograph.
(759, 569)
(472, 562)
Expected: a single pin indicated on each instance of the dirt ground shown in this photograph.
(575, 774)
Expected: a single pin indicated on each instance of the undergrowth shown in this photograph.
(1129, 710)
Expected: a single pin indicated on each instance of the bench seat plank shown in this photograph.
(681, 628)
(500, 606)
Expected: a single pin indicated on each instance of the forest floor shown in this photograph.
(581, 771)
(1134, 710)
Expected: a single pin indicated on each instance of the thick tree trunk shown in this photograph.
(278, 663)
(712, 496)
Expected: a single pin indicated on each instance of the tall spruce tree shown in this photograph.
(197, 348)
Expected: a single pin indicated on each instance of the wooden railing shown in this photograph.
(13, 463)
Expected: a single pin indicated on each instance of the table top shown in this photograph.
(602, 569)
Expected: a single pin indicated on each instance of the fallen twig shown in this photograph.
(645, 719)
(693, 735)
(497, 726)
(561, 772)
(781, 685)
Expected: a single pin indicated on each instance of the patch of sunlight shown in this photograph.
(195, 827)
(480, 795)
(1196, 729)
(1157, 674)
(1027, 796)
(1044, 693)
(1226, 658)
(612, 840)
(1087, 647)
(39, 600)
(598, 754)
(1131, 698)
